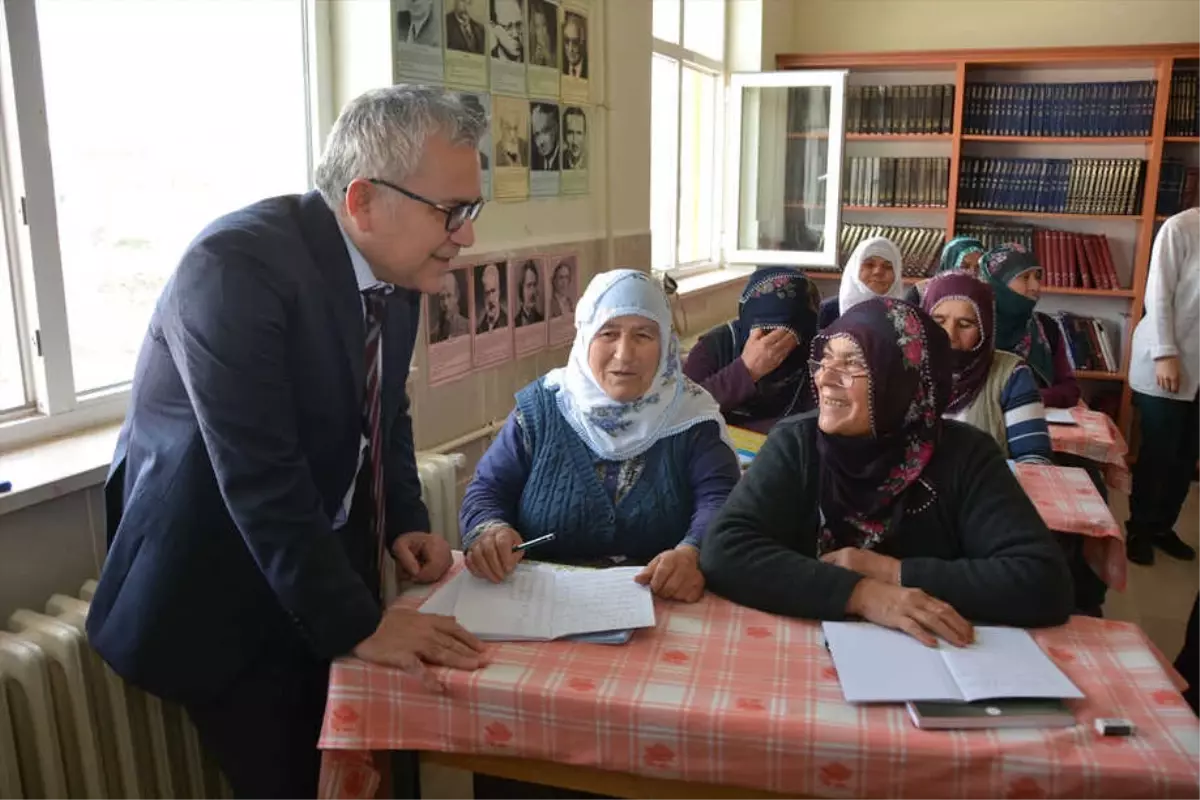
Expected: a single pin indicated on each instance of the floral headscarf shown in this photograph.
(956, 250)
(1017, 327)
(612, 430)
(864, 479)
(971, 367)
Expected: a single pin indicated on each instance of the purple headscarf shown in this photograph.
(971, 367)
(864, 479)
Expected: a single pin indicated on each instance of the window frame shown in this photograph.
(717, 70)
(29, 215)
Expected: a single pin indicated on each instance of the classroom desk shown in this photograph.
(718, 696)
(1095, 437)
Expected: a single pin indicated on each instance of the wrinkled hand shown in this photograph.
(765, 351)
(408, 640)
(491, 556)
(421, 557)
(884, 569)
(675, 574)
(909, 610)
(1166, 373)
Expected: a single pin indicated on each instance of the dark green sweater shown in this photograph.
(970, 536)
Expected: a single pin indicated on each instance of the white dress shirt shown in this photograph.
(1171, 326)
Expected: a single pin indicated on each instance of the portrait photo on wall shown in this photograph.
(529, 304)
(543, 33)
(575, 176)
(482, 103)
(575, 44)
(510, 136)
(508, 30)
(493, 339)
(543, 126)
(448, 320)
(417, 41)
(562, 274)
(465, 31)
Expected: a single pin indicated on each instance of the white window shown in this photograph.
(139, 122)
(687, 80)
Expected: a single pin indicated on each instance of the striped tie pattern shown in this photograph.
(373, 301)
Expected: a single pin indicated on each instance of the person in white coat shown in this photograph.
(1164, 374)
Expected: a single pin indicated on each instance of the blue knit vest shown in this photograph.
(564, 495)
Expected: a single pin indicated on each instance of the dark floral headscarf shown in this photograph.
(970, 367)
(865, 479)
(956, 250)
(1017, 327)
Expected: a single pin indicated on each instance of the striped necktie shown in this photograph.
(373, 302)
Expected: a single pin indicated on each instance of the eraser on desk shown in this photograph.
(1113, 726)
(5, 486)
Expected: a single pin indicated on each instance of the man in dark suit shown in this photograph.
(267, 461)
(492, 315)
(418, 24)
(575, 54)
(463, 33)
(543, 122)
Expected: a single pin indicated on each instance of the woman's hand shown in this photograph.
(1166, 373)
(491, 556)
(909, 610)
(675, 574)
(765, 351)
(884, 569)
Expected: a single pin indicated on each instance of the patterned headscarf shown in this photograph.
(612, 430)
(956, 250)
(1017, 327)
(864, 480)
(971, 367)
(853, 291)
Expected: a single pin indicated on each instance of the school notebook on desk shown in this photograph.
(539, 602)
(881, 665)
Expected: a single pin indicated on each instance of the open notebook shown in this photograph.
(539, 602)
(881, 665)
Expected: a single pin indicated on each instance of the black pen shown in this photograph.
(549, 537)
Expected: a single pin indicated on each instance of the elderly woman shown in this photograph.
(756, 367)
(618, 454)
(875, 506)
(873, 270)
(961, 253)
(993, 391)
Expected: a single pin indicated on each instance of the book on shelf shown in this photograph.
(1177, 186)
(1183, 106)
(887, 182)
(994, 234)
(921, 247)
(1089, 342)
(907, 110)
(1072, 260)
(1088, 186)
(1123, 108)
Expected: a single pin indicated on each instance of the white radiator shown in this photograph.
(70, 727)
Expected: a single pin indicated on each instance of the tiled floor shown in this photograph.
(1159, 598)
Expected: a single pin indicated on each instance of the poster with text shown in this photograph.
(493, 340)
(466, 43)
(529, 304)
(575, 150)
(482, 102)
(545, 149)
(543, 48)
(448, 316)
(417, 41)
(564, 293)
(575, 55)
(507, 46)
(510, 137)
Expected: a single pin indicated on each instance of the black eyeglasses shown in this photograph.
(456, 215)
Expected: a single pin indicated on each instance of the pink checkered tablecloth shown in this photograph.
(1068, 501)
(1097, 437)
(721, 694)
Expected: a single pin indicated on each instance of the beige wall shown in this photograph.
(828, 26)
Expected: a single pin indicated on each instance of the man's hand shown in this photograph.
(884, 569)
(675, 574)
(909, 610)
(765, 351)
(408, 639)
(491, 556)
(421, 557)
(1166, 373)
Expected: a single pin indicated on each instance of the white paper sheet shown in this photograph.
(1060, 416)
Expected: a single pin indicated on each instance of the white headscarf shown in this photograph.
(617, 431)
(853, 290)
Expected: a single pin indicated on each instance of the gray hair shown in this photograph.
(382, 133)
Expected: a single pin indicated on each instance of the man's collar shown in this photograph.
(362, 270)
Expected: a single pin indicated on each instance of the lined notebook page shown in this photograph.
(1006, 662)
(519, 607)
(600, 600)
(881, 665)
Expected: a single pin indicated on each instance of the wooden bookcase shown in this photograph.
(1069, 64)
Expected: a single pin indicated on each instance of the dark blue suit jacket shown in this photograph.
(241, 440)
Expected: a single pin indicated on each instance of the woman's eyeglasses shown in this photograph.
(844, 377)
(456, 215)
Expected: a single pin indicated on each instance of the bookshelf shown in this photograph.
(968, 70)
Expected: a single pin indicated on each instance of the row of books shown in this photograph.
(900, 109)
(1053, 185)
(994, 234)
(1177, 187)
(921, 247)
(808, 109)
(1060, 109)
(1183, 109)
(1089, 342)
(1075, 260)
(897, 182)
